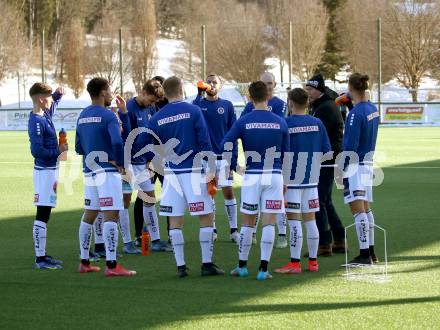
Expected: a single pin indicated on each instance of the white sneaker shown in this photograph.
(281, 242)
(235, 237)
(214, 236)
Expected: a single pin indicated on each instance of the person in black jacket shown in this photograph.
(323, 106)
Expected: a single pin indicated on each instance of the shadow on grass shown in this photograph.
(298, 308)
(156, 297)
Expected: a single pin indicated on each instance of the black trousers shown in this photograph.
(329, 224)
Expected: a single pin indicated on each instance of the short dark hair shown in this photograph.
(213, 75)
(359, 82)
(96, 86)
(172, 86)
(40, 88)
(159, 79)
(154, 87)
(298, 96)
(258, 91)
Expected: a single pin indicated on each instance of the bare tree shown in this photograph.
(11, 39)
(310, 21)
(73, 55)
(102, 52)
(65, 12)
(236, 43)
(410, 34)
(142, 42)
(358, 37)
(309, 29)
(186, 62)
(413, 38)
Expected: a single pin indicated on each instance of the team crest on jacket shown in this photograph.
(221, 110)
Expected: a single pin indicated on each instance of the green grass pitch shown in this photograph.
(407, 205)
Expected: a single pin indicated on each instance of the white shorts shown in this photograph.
(103, 191)
(223, 173)
(262, 192)
(184, 190)
(142, 178)
(359, 185)
(302, 200)
(45, 187)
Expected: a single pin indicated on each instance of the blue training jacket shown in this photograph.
(98, 131)
(43, 137)
(308, 142)
(219, 117)
(275, 104)
(260, 131)
(182, 125)
(361, 128)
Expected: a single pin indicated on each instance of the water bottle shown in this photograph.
(146, 241)
(62, 139)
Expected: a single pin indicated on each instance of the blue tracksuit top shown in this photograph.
(361, 128)
(98, 130)
(308, 142)
(275, 104)
(219, 117)
(259, 131)
(181, 125)
(43, 137)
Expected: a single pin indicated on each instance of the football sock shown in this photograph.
(370, 217)
(177, 242)
(98, 228)
(110, 233)
(296, 239)
(281, 224)
(124, 225)
(245, 242)
(312, 238)
(362, 229)
(206, 243)
(152, 222)
(85, 235)
(39, 234)
(231, 212)
(266, 243)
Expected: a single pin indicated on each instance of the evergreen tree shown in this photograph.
(332, 61)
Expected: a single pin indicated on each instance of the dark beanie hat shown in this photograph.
(317, 82)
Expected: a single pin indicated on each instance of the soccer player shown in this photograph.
(308, 142)
(98, 140)
(278, 107)
(360, 137)
(124, 219)
(274, 103)
(219, 115)
(180, 130)
(265, 139)
(45, 150)
(140, 110)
